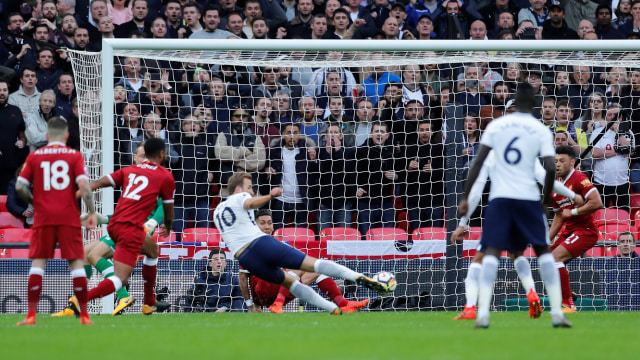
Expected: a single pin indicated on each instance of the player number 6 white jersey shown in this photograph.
(236, 225)
(517, 140)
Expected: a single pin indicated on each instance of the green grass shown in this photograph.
(413, 335)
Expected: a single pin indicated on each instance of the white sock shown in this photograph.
(305, 293)
(78, 273)
(485, 284)
(471, 284)
(523, 268)
(334, 270)
(149, 261)
(36, 271)
(551, 279)
(116, 282)
(558, 264)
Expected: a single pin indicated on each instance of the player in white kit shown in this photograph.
(264, 256)
(515, 217)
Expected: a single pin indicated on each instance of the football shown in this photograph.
(387, 279)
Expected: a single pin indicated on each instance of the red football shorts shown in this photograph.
(264, 293)
(129, 239)
(577, 242)
(44, 239)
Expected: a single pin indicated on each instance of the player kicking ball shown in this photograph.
(56, 172)
(515, 216)
(520, 263)
(99, 253)
(264, 256)
(274, 296)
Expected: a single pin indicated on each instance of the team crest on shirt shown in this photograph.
(585, 183)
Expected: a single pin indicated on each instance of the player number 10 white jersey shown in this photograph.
(236, 225)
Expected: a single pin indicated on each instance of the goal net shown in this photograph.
(371, 142)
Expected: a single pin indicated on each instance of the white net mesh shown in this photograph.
(410, 185)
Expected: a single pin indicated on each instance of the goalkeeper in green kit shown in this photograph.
(99, 254)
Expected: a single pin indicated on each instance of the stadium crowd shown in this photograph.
(339, 141)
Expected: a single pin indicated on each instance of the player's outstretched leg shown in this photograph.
(485, 289)
(565, 285)
(471, 292)
(328, 286)
(305, 293)
(523, 268)
(332, 269)
(551, 280)
(33, 294)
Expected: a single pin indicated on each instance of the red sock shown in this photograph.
(33, 293)
(282, 295)
(149, 276)
(105, 288)
(329, 287)
(566, 285)
(80, 290)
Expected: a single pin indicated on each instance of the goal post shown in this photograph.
(438, 267)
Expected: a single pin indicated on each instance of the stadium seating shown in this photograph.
(429, 233)
(3, 203)
(7, 220)
(209, 235)
(15, 235)
(158, 238)
(610, 231)
(529, 252)
(386, 233)
(611, 215)
(595, 252)
(635, 203)
(291, 234)
(339, 234)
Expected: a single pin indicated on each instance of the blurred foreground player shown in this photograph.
(264, 256)
(142, 185)
(274, 296)
(56, 173)
(515, 217)
(520, 263)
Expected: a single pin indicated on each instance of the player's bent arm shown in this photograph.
(258, 201)
(22, 188)
(101, 183)
(599, 154)
(592, 203)
(556, 224)
(474, 172)
(548, 163)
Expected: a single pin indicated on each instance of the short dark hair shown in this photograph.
(192, 4)
(153, 147)
(566, 150)
(286, 125)
(340, 10)
(525, 97)
(211, 8)
(379, 123)
(29, 67)
(263, 212)
(626, 233)
(216, 251)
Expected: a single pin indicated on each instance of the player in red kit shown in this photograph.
(142, 184)
(580, 232)
(56, 173)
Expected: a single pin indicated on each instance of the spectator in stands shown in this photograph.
(584, 27)
(337, 185)
(234, 24)
(154, 127)
(36, 122)
(132, 77)
(360, 15)
(68, 27)
(74, 127)
(259, 28)
(425, 27)
(295, 88)
(229, 6)
(549, 111)
(140, 10)
(561, 81)
(128, 127)
(191, 172)
(192, 14)
(626, 245)
(498, 15)
(470, 137)
(65, 95)
(446, 26)
(119, 12)
(239, 149)
(16, 205)
(310, 125)
(318, 26)
(173, 14)
(215, 290)
(292, 165)
(611, 161)
(358, 133)
(374, 85)
(580, 10)
(630, 98)
(273, 14)
(617, 83)
(27, 96)
(413, 115)
(282, 112)
(512, 75)
(537, 13)
(340, 20)
(299, 26)
(50, 16)
(334, 86)
(391, 29)
(622, 14)
(583, 84)
(106, 28)
(433, 78)
(267, 83)
(555, 27)
(604, 27)
(478, 30)
(13, 143)
(527, 30)
(424, 178)
(563, 123)
(378, 169)
(472, 95)
(595, 116)
(501, 94)
(159, 28)
(97, 9)
(412, 89)
(390, 107)
(331, 81)
(415, 11)
(81, 40)
(261, 125)
(218, 101)
(561, 138)
(46, 72)
(211, 22)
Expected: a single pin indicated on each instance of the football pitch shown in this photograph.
(365, 335)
